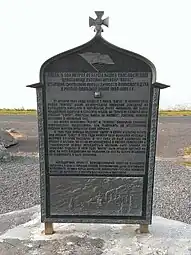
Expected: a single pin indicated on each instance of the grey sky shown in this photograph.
(32, 31)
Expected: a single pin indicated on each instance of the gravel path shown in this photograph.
(172, 191)
(19, 187)
(19, 183)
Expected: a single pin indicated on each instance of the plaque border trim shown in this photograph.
(150, 161)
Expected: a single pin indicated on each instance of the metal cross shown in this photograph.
(98, 22)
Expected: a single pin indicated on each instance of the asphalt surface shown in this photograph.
(26, 124)
(19, 178)
(174, 134)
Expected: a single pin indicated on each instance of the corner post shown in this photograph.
(48, 228)
(144, 228)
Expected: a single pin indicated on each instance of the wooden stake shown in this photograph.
(144, 228)
(48, 228)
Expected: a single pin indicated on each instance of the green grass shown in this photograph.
(18, 111)
(175, 112)
(187, 154)
(187, 163)
(23, 111)
(187, 151)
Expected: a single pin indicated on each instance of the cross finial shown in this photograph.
(98, 22)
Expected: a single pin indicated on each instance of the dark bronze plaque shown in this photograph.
(97, 118)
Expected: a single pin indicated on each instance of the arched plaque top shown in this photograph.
(98, 55)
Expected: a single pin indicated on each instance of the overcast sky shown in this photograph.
(35, 30)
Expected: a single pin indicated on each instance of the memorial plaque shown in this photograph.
(97, 116)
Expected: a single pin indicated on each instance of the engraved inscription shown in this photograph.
(97, 136)
(95, 167)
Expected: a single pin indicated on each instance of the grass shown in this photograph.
(18, 111)
(187, 151)
(175, 112)
(23, 111)
(187, 154)
(186, 163)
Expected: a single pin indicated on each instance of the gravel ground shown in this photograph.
(19, 183)
(19, 187)
(172, 191)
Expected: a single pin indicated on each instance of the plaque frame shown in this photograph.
(43, 151)
(155, 87)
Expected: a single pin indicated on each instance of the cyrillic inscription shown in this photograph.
(97, 136)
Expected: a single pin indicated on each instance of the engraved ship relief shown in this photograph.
(95, 58)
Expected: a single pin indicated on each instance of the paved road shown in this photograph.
(174, 133)
(26, 124)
